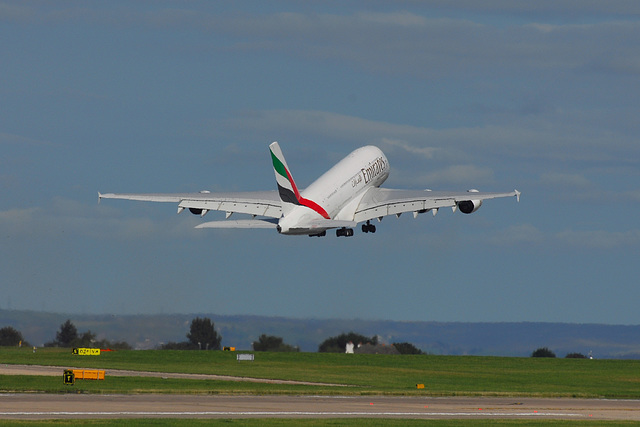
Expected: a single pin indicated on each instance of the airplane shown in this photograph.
(347, 194)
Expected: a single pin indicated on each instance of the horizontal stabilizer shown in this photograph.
(240, 223)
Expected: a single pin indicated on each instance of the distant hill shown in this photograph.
(453, 338)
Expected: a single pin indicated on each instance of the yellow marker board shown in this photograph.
(86, 351)
(88, 374)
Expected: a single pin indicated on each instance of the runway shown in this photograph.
(74, 406)
(84, 406)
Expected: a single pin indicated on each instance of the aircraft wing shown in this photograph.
(241, 223)
(378, 202)
(257, 203)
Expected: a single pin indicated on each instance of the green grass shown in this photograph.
(365, 374)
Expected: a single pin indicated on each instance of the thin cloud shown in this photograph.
(569, 9)
(556, 138)
(402, 19)
(411, 44)
(633, 195)
(529, 234)
(395, 42)
(565, 180)
(15, 12)
(459, 174)
(600, 239)
(330, 125)
(18, 221)
(426, 152)
(8, 138)
(68, 217)
(577, 187)
(518, 235)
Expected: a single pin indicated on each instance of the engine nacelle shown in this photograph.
(195, 211)
(469, 206)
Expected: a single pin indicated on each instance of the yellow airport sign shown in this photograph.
(86, 351)
(68, 377)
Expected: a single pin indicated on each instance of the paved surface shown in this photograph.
(58, 370)
(73, 406)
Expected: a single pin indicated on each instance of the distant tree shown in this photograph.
(407, 348)
(66, 335)
(272, 343)
(543, 352)
(338, 344)
(11, 337)
(575, 356)
(203, 335)
(86, 339)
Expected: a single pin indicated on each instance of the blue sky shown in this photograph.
(137, 96)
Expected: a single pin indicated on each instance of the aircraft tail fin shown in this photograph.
(289, 194)
(287, 188)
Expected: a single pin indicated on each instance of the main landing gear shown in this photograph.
(368, 228)
(346, 232)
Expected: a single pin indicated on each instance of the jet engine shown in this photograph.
(195, 211)
(469, 206)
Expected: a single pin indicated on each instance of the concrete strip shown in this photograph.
(58, 370)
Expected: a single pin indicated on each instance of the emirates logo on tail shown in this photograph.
(287, 188)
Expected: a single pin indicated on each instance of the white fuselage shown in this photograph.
(339, 190)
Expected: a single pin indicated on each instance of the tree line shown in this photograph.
(68, 336)
(546, 352)
(202, 335)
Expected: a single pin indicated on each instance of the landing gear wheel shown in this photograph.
(346, 232)
(368, 228)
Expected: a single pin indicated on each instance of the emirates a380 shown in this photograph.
(346, 195)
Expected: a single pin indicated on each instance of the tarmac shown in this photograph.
(92, 406)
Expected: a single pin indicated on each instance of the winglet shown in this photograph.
(517, 195)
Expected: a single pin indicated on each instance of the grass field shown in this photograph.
(364, 374)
